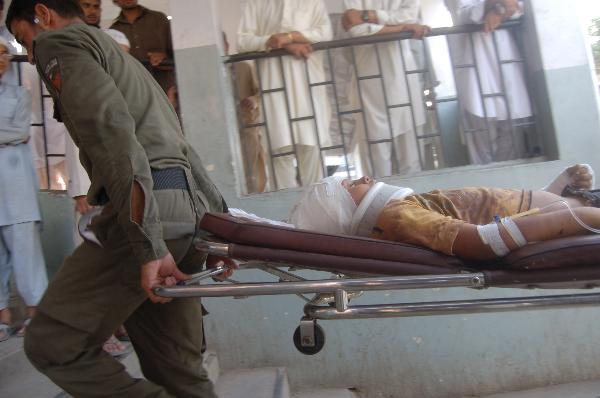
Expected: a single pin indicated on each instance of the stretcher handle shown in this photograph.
(202, 275)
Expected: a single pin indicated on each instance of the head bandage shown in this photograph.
(118, 36)
(365, 216)
(325, 206)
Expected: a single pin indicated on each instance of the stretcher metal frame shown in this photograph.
(331, 300)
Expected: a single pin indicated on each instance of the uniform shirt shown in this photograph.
(18, 182)
(122, 123)
(150, 32)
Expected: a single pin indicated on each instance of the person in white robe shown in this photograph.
(292, 25)
(369, 17)
(20, 246)
(486, 122)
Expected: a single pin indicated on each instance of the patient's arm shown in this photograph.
(535, 228)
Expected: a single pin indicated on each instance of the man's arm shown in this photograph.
(475, 11)
(15, 130)
(96, 113)
(248, 36)
(400, 17)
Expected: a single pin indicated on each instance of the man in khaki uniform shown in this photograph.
(154, 190)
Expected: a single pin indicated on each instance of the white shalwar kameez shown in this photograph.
(260, 20)
(498, 144)
(397, 91)
(20, 246)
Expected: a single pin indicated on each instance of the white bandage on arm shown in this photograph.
(490, 235)
(514, 231)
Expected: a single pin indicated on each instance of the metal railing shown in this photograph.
(52, 171)
(428, 136)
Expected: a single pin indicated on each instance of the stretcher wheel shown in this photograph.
(312, 344)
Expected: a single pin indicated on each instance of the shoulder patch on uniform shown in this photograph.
(52, 72)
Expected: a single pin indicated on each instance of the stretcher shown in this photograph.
(361, 264)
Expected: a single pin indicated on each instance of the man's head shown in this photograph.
(126, 4)
(27, 18)
(92, 11)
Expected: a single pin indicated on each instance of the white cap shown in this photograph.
(325, 206)
(365, 216)
(118, 36)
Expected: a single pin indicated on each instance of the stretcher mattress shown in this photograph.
(567, 262)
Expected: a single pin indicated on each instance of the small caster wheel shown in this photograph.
(309, 338)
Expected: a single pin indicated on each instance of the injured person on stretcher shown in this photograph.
(471, 223)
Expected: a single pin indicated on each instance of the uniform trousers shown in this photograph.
(96, 290)
(21, 254)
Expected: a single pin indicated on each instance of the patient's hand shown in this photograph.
(580, 177)
(214, 262)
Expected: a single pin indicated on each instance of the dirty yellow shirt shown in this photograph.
(123, 124)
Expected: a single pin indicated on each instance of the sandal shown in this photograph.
(121, 334)
(21, 332)
(4, 332)
(115, 348)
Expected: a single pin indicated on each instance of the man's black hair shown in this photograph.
(1, 4)
(25, 9)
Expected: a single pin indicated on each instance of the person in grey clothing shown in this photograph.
(20, 248)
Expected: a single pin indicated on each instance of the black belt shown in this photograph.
(171, 178)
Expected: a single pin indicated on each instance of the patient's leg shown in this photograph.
(578, 176)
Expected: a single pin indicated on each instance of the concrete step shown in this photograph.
(254, 383)
(586, 389)
(327, 393)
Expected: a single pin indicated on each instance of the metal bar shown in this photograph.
(351, 112)
(412, 108)
(289, 115)
(302, 118)
(324, 286)
(315, 123)
(273, 90)
(240, 119)
(393, 157)
(362, 106)
(325, 83)
(404, 105)
(480, 88)
(264, 117)
(356, 41)
(43, 119)
(453, 307)
(438, 144)
(371, 77)
(515, 142)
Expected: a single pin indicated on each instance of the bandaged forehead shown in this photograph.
(325, 207)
